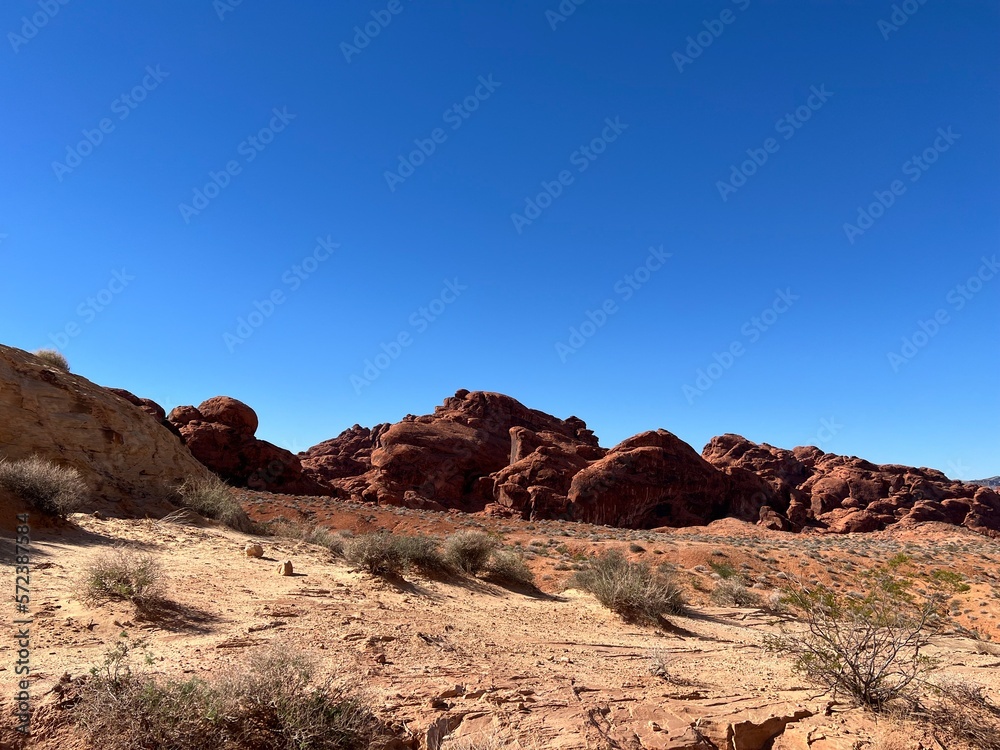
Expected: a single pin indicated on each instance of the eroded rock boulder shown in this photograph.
(448, 456)
(347, 455)
(846, 494)
(220, 434)
(651, 479)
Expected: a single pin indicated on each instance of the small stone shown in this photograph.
(285, 568)
(253, 550)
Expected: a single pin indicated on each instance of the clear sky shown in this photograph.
(771, 218)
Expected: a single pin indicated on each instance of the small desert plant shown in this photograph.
(45, 486)
(122, 574)
(724, 570)
(379, 553)
(730, 592)
(53, 358)
(508, 566)
(470, 551)
(868, 647)
(325, 538)
(273, 702)
(319, 535)
(424, 553)
(213, 498)
(630, 589)
(950, 579)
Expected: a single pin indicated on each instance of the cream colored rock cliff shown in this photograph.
(123, 455)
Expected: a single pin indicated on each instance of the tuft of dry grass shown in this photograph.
(730, 592)
(213, 498)
(44, 485)
(122, 574)
(53, 358)
(470, 551)
(507, 566)
(630, 589)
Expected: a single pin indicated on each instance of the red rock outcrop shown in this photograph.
(535, 484)
(447, 457)
(347, 455)
(847, 494)
(220, 434)
(482, 450)
(651, 479)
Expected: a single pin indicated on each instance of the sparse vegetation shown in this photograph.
(724, 570)
(122, 574)
(470, 551)
(630, 589)
(868, 647)
(424, 553)
(507, 566)
(53, 358)
(213, 498)
(319, 535)
(950, 579)
(322, 536)
(274, 702)
(731, 592)
(963, 712)
(44, 485)
(378, 553)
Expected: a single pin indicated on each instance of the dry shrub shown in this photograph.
(508, 567)
(962, 711)
(378, 553)
(470, 551)
(318, 535)
(731, 592)
(424, 553)
(273, 703)
(630, 589)
(44, 485)
(867, 647)
(213, 498)
(53, 358)
(122, 574)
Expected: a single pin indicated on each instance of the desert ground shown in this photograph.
(463, 662)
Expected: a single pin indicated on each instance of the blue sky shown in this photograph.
(771, 218)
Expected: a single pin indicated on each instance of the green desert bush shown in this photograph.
(273, 701)
(723, 569)
(868, 647)
(213, 498)
(470, 551)
(53, 358)
(508, 567)
(122, 574)
(45, 486)
(631, 589)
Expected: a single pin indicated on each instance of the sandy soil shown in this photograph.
(469, 660)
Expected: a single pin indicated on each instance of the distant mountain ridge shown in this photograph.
(991, 482)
